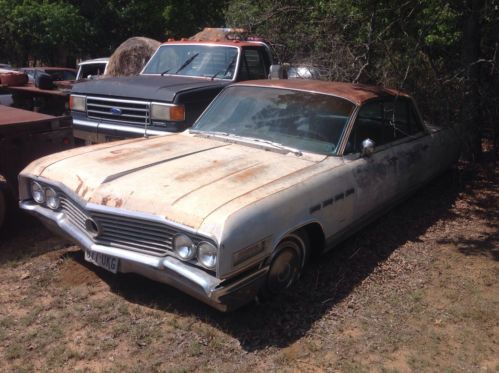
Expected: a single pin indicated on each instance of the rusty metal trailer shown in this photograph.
(25, 136)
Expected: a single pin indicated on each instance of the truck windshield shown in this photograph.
(194, 60)
(305, 121)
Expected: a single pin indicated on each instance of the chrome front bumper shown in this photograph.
(223, 295)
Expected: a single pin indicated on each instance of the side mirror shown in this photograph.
(278, 72)
(367, 148)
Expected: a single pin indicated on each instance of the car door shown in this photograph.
(412, 144)
(375, 175)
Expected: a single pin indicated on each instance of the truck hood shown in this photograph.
(144, 87)
(182, 177)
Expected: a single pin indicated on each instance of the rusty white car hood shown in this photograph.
(182, 177)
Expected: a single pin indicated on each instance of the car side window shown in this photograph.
(383, 121)
(370, 124)
(401, 115)
(253, 65)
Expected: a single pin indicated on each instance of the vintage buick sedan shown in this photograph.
(231, 209)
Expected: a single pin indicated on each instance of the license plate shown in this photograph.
(105, 261)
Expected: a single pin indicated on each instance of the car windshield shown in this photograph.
(216, 62)
(299, 120)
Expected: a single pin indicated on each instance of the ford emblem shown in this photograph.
(115, 111)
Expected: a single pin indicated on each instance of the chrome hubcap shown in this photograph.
(284, 269)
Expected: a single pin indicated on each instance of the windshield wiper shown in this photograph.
(164, 72)
(229, 66)
(187, 62)
(295, 151)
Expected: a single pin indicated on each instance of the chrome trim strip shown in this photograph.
(135, 102)
(120, 107)
(139, 130)
(85, 123)
(347, 130)
(116, 127)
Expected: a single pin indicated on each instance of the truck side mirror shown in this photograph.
(367, 148)
(278, 72)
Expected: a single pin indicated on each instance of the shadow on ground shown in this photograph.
(325, 282)
(480, 192)
(24, 237)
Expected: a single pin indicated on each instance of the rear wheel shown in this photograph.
(286, 265)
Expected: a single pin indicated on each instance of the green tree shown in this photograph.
(41, 31)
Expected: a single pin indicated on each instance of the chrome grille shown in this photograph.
(122, 232)
(123, 111)
(74, 213)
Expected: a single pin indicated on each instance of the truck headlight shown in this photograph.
(37, 192)
(207, 255)
(77, 103)
(52, 199)
(184, 247)
(167, 112)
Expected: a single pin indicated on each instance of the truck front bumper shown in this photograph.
(224, 295)
(97, 131)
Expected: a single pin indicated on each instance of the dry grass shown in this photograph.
(416, 291)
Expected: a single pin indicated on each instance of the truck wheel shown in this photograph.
(286, 265)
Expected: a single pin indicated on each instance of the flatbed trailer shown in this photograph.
(47, 101)
(24, 137)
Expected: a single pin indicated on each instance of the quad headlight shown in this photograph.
(184, 247)
(207, 255)
(37, 192)
(186, 250)
(45, 195)
(52, 199)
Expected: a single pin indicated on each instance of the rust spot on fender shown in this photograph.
(85, 191)
(80, 184)
(118, 202)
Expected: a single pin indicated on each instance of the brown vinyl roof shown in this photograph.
(356, 93)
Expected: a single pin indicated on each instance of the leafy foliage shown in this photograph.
(444, 53)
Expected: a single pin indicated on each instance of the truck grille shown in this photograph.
(115, 110)
(127, 233)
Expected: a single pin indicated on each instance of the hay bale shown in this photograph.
(131, 56)
(219, 34)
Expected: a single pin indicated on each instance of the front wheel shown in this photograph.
(285, 266)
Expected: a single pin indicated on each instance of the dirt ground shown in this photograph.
(416, 291)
